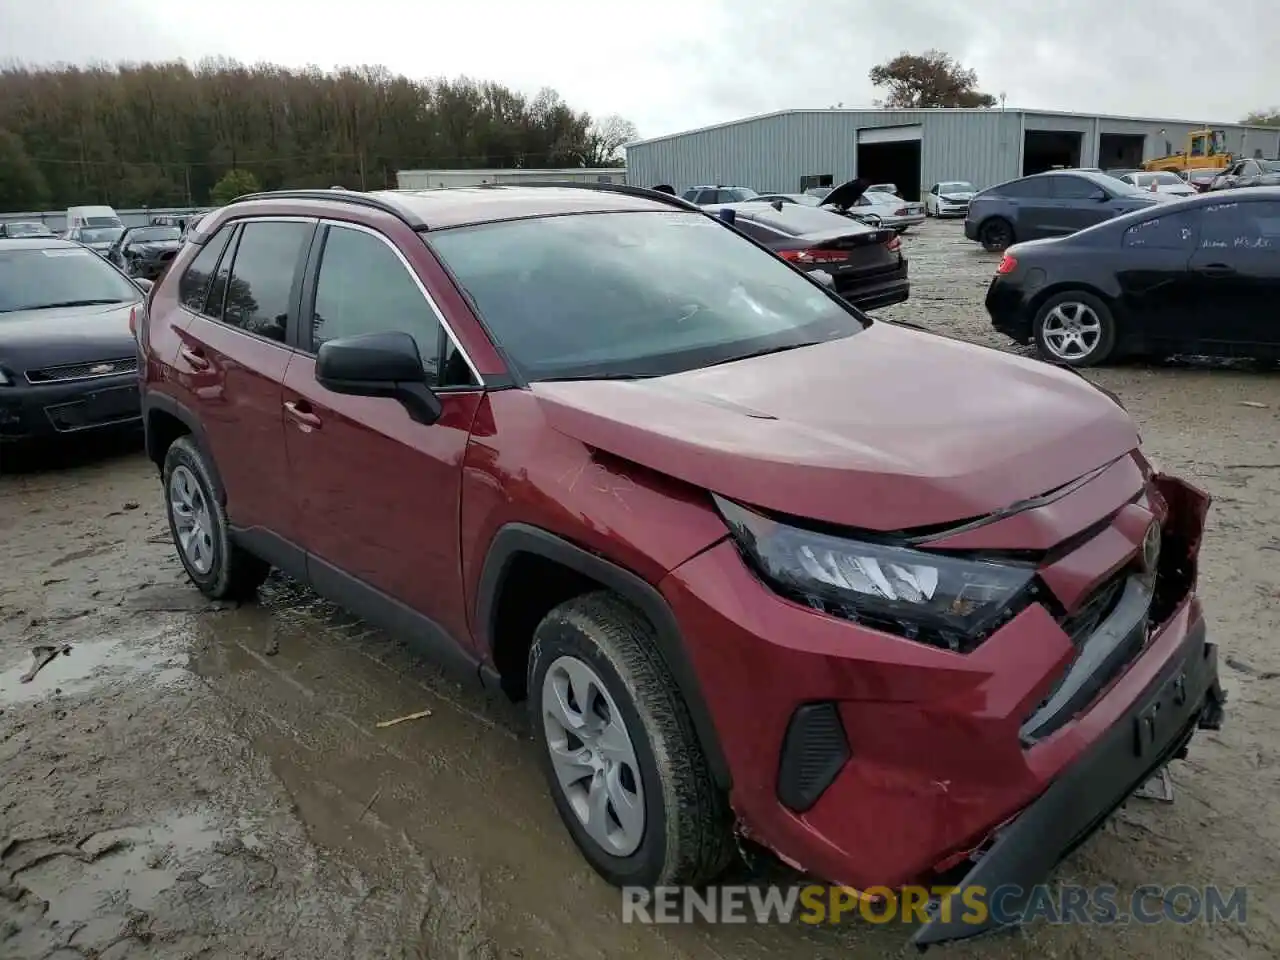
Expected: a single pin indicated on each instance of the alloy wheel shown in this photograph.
(593, 756)
(1071, 331)
(192, 521)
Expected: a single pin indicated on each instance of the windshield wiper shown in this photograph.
(765, 352)
(75, 303)
(596, 376)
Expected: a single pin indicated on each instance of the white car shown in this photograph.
(892, 211)
(1162, 181)
(949, 199)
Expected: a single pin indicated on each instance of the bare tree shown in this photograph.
(929, 79)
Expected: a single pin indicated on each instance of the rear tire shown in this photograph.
(594, 663)
(1075, 329)
(996, 235)
(201, 534)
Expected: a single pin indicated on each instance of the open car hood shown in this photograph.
(846, 195)
(887, 430)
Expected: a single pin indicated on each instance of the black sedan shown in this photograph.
(1199, 277)
(863, 264)
(145, 251)
(1050, 205)
(68, 358)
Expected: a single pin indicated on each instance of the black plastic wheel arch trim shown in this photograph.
(163, 403)
(515, 539)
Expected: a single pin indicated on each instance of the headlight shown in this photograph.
(947, 601)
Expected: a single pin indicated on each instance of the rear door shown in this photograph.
(1235, 275)
(379, 493)
(234, 356)
(1030, 205)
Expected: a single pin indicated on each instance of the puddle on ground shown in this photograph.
(158, 652)
(134, 866)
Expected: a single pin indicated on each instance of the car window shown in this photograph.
(690, 195)
(1242, 226)
(1073, 188)
(574, 296)
(364, 287)
(151, 234)
(1028, 189)
(1176, 232)
(193, 286)
(262, 273)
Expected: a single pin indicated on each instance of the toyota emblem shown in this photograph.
(1151, 548)
(102, 368)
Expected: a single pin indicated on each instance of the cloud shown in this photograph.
(683, 64)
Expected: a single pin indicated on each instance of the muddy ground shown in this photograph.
(193, 781)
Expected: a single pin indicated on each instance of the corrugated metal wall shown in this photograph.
(771, 153)
(434, 179)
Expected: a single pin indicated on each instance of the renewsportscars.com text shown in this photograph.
(818, 904)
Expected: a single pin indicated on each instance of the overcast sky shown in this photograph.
(669, 65)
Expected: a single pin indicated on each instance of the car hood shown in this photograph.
(845, 195)
(846, 432)
(32, 339)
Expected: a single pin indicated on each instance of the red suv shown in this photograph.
(897, 607)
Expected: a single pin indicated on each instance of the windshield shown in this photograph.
(59, 276)
(1269, 166)
(634, 294)
(100, 234)
(741, 193)
(101, 222)
(154, 234)
(26, 230)
(1164, 179)
(959, 186)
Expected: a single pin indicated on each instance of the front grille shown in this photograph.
(83, 371)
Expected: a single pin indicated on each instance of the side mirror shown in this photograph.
(142, 284)
(379, 365)
(777, 205)
(1102, 196)
(728, 215)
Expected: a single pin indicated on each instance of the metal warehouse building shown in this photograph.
(791, 150)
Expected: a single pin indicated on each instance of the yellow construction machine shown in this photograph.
(1205, 150)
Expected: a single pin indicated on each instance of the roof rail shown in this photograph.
(399, 211)
(660, 195)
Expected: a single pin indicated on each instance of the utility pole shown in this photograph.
(186, 175)
(362, 184)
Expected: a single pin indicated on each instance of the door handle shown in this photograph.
(196, 359)
(304, 418)
(1217, 270)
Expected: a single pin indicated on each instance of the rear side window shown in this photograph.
(1176, 232)
(1031, 188)
(261, 282)
(193, 287)
(363, 287)
(1241, 226)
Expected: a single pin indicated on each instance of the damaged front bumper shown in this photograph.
(1156, 729)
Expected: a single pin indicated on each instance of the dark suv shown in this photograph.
(895, 606)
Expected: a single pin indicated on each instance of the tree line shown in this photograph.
(165, 134)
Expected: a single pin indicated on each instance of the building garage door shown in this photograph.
(892, 155)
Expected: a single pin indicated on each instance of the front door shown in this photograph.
(379, 494)
(1156, 288)
(233, 359)
(1235, 271)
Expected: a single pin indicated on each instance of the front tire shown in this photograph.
(617, 746)
(1075, 329)
(201, 534)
